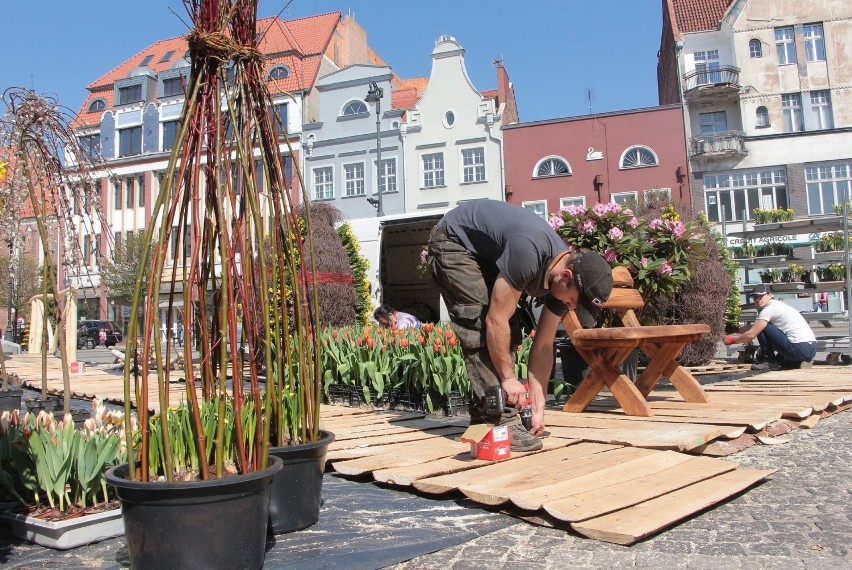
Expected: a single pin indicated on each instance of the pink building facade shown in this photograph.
(623, 156)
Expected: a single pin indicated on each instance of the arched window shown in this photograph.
(638, 157)
(761, 117)
(278, 72)
(755, 48)
(355, 107)
(552, 166)
(97, 105)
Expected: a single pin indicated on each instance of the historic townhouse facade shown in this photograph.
(767, 92)
(130, 120)
(629, 157)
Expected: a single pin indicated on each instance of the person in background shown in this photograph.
(786, 340)
(388, 317)
(823, 301)
(484, 255)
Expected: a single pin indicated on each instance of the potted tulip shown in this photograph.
(56, 473)
(245, 280)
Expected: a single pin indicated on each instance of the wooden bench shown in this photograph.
(605, 349)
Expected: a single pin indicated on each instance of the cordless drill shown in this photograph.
(526, 411)
(494, 403)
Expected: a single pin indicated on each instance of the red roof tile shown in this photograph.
(698, 15)
(407, 92)
(299, 44)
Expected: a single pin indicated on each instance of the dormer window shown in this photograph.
(97, 105)
(355, 107)
(130, 94)
(173, 86)
(278, 72)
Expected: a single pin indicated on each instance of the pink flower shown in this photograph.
(655, 223)
(587, 227)
(678, 229)
(424, 256)
(634, 221)
(555, 222)
(574, 210)
(615, 234)
(600, 209)
(644, 262)
(610, 255)
(665, 268)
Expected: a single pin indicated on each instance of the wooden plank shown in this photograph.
(363, 433)
(533, 498)
(636, 489)
(639, 521)
(678, 437)
(349, 449)
(401, 454)
(721, 418)
(407, 474)
(445, 483)
(543, 469)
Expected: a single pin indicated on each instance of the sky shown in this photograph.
(556, 52)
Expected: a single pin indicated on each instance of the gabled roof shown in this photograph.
(298, 44)
(407, 92)
(696, 15)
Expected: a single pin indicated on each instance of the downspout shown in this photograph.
(403, 132)
(490, 119)
(684, 117)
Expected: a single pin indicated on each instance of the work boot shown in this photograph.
(522, 440)
(766, 366)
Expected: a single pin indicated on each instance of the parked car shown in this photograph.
(88, 334)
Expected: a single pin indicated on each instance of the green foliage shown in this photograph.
(120, 272)
(767, 216)
(359, 264)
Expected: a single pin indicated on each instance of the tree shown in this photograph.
(27, 283)
(120, 273)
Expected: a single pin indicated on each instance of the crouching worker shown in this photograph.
(483, 255)
(786, 340)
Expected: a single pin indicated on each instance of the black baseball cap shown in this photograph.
(760, 291)
(593, 277)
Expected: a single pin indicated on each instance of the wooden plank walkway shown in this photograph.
(603, 474)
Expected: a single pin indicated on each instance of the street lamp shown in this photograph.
(10, 334)
(374, 95)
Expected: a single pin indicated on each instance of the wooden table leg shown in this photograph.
(605, 372)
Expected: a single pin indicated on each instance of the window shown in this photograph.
(167, 56)
(97, 105)
(814, 42)
(732, 196)
(577, 201)
(539, 207)
(280, 119)
(388, 180)
(353, 178)
(821, 110)
(117, 238)
(433, 170)
(130, 94)
(128, 191)
(552, 166)
(449, 119)
(175, 242)
(173, 86)
(279, 72)
(793, 119)
(626, 199)
(785, 46)
(707, 66)
(323, 183)
(146, 60)
(355, 108)
(140, 190)
(638, 157)
(91, 145)
(116, 194)
(130, 141)
(755, 48)
(169, 134)
(87, 250)
(827, 185)
(473, 165)
(761, 118)
(715, 122)
(656, 196)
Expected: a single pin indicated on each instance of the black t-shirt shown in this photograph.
(518, 242)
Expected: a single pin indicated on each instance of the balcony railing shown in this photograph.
(725, 76)
(718, 144)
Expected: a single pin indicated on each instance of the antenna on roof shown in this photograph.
(590, 96)
(498, 62)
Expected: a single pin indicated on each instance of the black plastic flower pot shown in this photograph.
(52, 403)
(219, 523)
(297, 489)
(10, 399)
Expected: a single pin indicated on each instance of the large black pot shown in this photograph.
(219, 523)
(297, 489)
(10, 399)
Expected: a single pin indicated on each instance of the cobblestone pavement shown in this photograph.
(800, 518)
